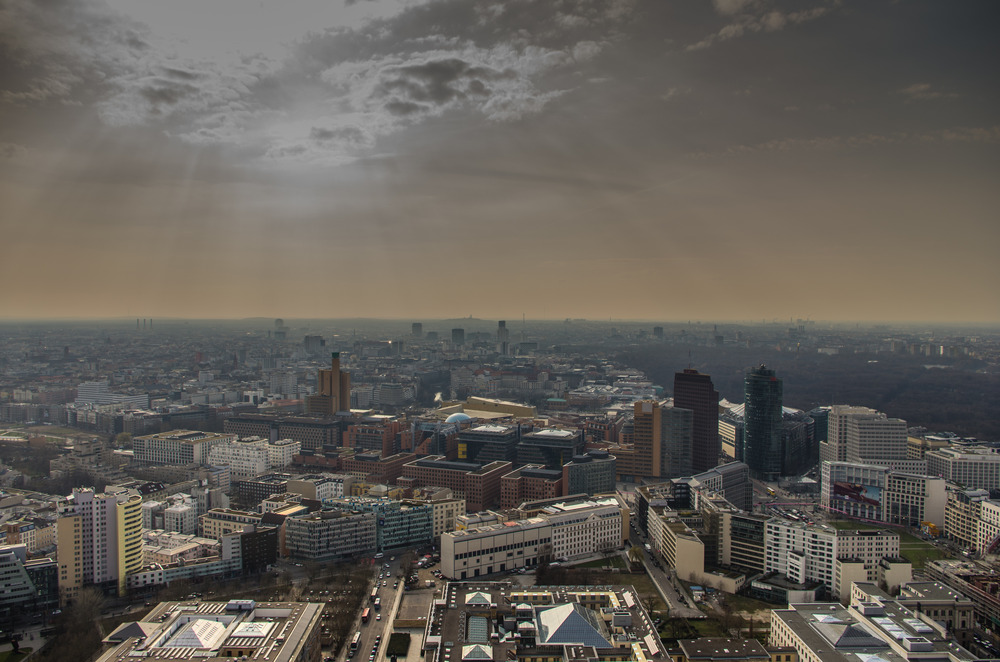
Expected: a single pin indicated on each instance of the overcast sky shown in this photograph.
(645, 159)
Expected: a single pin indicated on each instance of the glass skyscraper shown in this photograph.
(762, 423)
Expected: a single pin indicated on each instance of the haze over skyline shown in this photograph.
(634, 159)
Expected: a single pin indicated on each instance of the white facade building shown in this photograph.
(586, 527)
(496, 548)
(988, 525)
(253, 456)
(177, 447)
(181, 517)
(804, 552)
(911, 499)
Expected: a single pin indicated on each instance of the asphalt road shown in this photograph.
(662, 581)
(389, 598)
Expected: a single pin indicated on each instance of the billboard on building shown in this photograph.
(857, 493)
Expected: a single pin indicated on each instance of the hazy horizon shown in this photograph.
(417, 159)
(515, 322)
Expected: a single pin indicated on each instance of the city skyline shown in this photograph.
(434, 159)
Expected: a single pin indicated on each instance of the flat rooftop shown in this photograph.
(194, 630)
(527, 615)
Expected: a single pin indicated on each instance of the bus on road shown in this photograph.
(374, 594)
(355, 642)
(366, 614)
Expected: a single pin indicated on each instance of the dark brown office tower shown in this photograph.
(695, 391)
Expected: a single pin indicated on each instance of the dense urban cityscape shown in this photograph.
(228, 477)
(499, 331)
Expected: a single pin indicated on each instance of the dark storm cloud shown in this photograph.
(348, 134)
(167, 92)
(438, 81)
(405, 108)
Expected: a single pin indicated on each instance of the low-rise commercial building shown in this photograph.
(494, 548)
(400, 523)
(179, 447)
(886, 630)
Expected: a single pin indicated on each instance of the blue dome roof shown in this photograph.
(458, 417)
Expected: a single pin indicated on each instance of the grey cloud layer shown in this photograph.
(337, 91)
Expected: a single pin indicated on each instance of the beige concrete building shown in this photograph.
(961, 516)
(220, 521)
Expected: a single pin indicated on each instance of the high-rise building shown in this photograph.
(458, 337)
(503, 338)
(99, 540)
(417, 330)
(334, 390)
(661, 442)
(647, 438)
(695, 391)
(762, 424)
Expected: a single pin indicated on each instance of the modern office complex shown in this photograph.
(330, 535)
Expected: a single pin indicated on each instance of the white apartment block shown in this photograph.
(805, 552)
(280, 453)
(975, 467)
(99, 539)
(181, 447)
